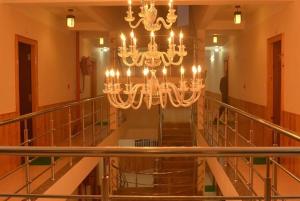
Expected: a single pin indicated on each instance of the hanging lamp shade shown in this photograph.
(237, 15)
(215, 39)
(70, 19)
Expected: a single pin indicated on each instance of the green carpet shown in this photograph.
(258, 160)
(104, 123)
(210, 188)
(42, 161)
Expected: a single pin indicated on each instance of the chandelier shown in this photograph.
(152, 90)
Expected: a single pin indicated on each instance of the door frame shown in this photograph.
(34, 71)
(270, 42)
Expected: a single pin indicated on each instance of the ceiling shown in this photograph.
(214, 16)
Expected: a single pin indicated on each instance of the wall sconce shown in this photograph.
(101, 41)
(215, 39)
(70, 19)
(237, 15)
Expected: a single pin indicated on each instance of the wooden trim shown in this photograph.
(269, 108)
(34, 71)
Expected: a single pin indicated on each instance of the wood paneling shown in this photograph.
(9, 136)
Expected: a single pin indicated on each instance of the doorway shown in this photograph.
(26, 51)
(275, 52)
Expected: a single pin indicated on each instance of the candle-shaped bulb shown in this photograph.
(129, 2)
(128, 72)
(132, 34)
(194, 70)
(107, 73)
(180, 38)
(199, 69)
(112, 73)
(170, 4)
(181, 35)
(123, 37)
(182, 70)
(164, 71)
(118, 74)
(169, 40)
(146, 71)
(172, 34)
(134, 41)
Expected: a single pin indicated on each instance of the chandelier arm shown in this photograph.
(139, 103)
(178, 62)
(178, 96)
(113, 102)
(136, 25)
(127, 63)
(164, 23)
(135, 107)
(125, 103)
(163, 103)
(187, 104)
(163, 55)
(140, 60)
(120, 104)
(174, 101)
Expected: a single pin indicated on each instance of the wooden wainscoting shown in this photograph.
(9, 136)
(292, 122)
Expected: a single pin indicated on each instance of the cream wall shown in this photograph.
(215, 69)
(88, 46)
(56, 55)
(247, 51)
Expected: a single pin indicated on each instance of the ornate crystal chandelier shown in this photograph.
(152, 91)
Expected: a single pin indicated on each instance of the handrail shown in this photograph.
(41, 112)
(275, 127)
(150, 151)
(153, 173)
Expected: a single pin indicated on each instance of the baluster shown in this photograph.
(274, 167)
(225, 131)
(52, 144)
(70, 131)
(101, 114)
(93, 131)
(218, 126)
(83, 125)
(105, 179)
(236, 122)
(27, 160)
(251, 157)
(268, 185)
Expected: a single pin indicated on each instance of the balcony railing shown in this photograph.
(106, 152)
(80, 123)
(237, 128)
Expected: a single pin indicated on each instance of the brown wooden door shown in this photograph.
(276, 82)
(25, 85)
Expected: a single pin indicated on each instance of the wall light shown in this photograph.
(215, 39)
(217, 49)
(70, 19)
(101, 41)
(237, 15)
(212, 57)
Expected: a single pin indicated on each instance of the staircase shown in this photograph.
(181, 179)
(172, 176)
